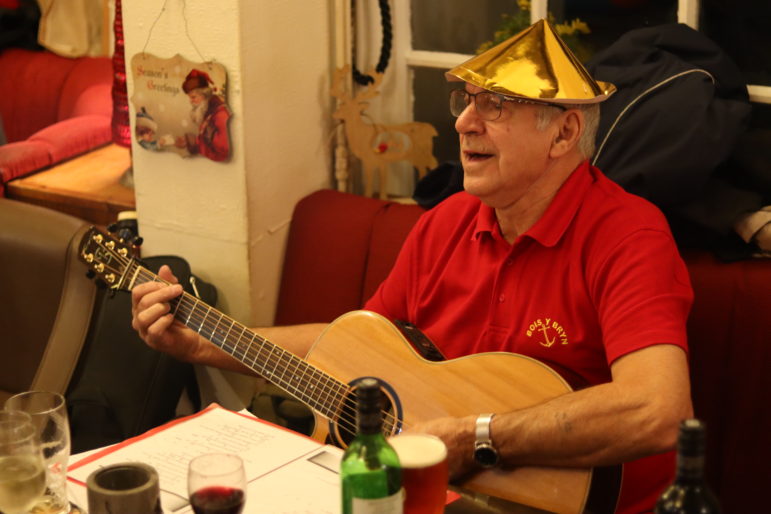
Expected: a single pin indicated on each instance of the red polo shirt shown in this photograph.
(597, 277)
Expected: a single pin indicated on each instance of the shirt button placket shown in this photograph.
(502, 293)
(506, 265)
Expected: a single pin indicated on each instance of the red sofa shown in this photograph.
(341, 246)
(52, 108)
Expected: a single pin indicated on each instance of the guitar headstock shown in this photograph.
(106, 257)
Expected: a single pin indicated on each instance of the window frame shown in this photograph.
(687, 12)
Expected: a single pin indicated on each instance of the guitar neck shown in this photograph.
(310, 385)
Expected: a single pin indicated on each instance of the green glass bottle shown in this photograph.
(370, 471)
(689, 493)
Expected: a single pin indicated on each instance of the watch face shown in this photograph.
(486, 456)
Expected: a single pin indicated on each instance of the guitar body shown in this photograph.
(362, 343)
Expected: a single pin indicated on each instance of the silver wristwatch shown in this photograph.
(485, 453)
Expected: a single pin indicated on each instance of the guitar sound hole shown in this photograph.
(344, 430)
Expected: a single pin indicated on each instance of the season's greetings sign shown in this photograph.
(181, 106)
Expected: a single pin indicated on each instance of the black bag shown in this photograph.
(680, 108)
(122, 388)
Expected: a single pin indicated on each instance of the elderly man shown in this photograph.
(541, 255)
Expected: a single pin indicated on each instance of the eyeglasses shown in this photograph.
(488, 105)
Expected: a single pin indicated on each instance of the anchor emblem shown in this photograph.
(553, 332)
(548, 342)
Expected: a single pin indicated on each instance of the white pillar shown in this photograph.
(230, 220)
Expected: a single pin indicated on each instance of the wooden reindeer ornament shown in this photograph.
(377, 145)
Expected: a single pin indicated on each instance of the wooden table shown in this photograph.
(87, 186)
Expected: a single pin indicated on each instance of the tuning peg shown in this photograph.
(137, 241)
(112, 228)
(90, 274)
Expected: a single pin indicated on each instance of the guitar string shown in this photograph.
(339, 390)
(150, 276)
(275, 355)
(188, 307)
(185, 301)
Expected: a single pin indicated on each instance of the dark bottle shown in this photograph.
(370, 471)
(689, 493)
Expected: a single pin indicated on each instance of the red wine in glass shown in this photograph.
(216, 484)
(217, 500)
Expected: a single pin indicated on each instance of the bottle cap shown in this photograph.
(368, 393)
(692, 438)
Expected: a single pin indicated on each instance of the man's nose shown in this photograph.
(469, 120)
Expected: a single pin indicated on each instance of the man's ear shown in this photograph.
(570, 126)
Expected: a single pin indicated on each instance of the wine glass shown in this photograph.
(48, 412)
(216, 484)
(22, 474)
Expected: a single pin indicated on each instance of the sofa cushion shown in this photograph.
(390, 227)
(74, 136)
(31, 85)
(326, 257)
(62, 107)
(82, 94)
(17, 159)
(728, 335)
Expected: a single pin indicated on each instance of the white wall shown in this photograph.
(286, 54)
(230, 220)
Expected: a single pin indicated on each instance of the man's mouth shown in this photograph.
(476, 156)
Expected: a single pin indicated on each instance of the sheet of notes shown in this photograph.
(274, 459)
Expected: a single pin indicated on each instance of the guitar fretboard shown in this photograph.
(323, 393)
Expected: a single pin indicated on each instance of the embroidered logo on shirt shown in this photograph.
(547, 332)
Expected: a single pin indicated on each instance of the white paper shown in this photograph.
(268, 452)
(303, 486)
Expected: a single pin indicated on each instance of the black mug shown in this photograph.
(128, 488)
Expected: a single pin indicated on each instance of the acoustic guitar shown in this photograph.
(363, 343)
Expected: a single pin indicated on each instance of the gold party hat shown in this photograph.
(534, 64)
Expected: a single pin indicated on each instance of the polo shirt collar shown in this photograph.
(486, 222)
(552, 225)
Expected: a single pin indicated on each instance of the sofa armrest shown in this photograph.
(45, 321)
(74, 136)
(20, 158)
(52, 145)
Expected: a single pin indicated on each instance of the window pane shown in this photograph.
(609, 19)
(432, 93)
(456, 25)
(742, 30)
